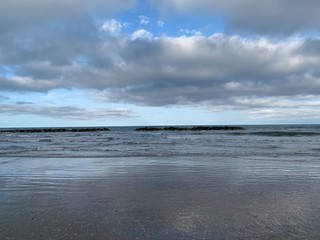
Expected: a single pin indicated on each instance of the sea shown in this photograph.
(262, 182)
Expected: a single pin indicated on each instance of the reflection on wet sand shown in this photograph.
(159, 198)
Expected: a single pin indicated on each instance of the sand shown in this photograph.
(159, 198)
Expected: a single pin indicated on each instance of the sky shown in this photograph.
(159, 62)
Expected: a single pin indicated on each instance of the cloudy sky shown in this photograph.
(154, 62)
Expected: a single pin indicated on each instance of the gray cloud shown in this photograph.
(312, 47)
(23, 103)
(67, 112)
(267, 17)
(28, 84)
(224, 71)
(298, 109)
(184, 70)
(304, 108)
(19, 14)
(161, 71)
(3, 98)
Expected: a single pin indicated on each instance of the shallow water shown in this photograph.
(226, 185)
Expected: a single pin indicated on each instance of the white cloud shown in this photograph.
(233, 85)
(191, 32)
(160, 23)
(144, 20)
(141, 34)
(113, 26)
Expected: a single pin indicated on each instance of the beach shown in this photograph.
(236, 186)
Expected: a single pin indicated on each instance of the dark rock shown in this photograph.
(216, 128)
(147, 129)
(175, 129)
(50, 130)
(196, 128)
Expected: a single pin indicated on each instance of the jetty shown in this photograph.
(52, 130)
(196, 128)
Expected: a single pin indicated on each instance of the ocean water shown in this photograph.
(259, 183)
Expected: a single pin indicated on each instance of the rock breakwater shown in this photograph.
(50, 130)
(196, 128)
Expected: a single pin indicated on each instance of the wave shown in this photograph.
(285, 134)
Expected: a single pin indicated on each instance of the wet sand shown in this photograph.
(159, 198)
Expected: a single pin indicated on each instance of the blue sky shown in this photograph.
(159, 62)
